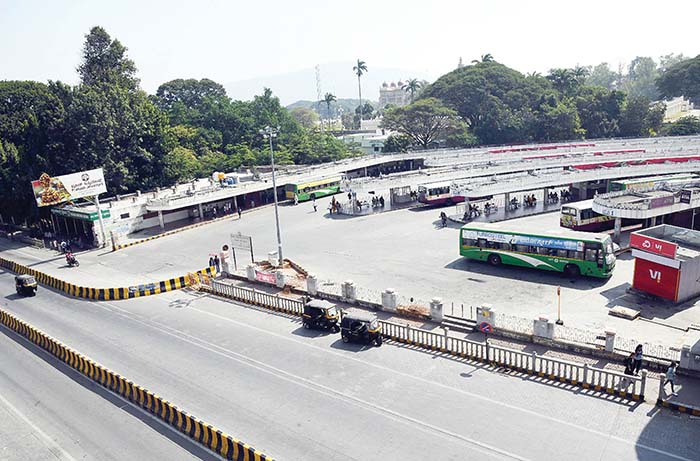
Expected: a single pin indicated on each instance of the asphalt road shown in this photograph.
(50, 412)
(298, 395)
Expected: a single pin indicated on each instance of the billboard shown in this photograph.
(657, 279)
(652, 245)
(50, 191)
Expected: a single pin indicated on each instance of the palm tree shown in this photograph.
(360, 69)
(328, 99)
(412, 86)
(488, 57)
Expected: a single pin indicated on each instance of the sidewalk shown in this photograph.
(688, 388)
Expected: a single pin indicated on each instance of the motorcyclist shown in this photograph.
(70, 259)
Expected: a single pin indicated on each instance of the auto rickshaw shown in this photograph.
(360, 326)
(26, 285)
(320, 314)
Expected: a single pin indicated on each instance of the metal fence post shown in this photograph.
(487, 349)
(254, 296)
(409, 335)
(447, 329)
(534, 362)
(585, 373)
(643, 385)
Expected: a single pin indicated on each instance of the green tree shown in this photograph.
(412, 86)
(328, 99)
(181, 165)
(681, 79)
(105, 62)
(397, 143)
(306, 117)
(484, 58)
(599, 111)
(495, 101)
(602, 75)
(634, 120)
(558, 120)
(360, 68)
(424, 121)
(684, 126)
(641, 78)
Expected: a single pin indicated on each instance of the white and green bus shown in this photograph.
(573, 253)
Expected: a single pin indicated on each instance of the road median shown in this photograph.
(207, 435)
(107, 294)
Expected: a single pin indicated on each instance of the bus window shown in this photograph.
(568, 210)
(562, 254)
(469, 242)
(522, 248)
(576, 254)
(591, 254)
(542, 251)
(482, 243)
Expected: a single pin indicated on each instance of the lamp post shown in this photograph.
(268, 133)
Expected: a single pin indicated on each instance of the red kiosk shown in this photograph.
(667, 262)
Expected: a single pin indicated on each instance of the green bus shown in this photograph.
(313, 189)
(573, 253)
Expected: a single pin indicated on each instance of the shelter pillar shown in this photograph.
(160, 219)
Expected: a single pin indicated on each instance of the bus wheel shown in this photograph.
(572, 270)
(494, 260)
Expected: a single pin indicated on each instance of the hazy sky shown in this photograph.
(236, 40)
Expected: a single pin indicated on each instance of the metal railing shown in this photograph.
(580, 374)
(551, 368)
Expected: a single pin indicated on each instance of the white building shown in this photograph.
(679, 107)
(392, 93)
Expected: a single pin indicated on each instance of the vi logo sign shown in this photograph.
(655, 275)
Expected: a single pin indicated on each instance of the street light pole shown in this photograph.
(269, 133)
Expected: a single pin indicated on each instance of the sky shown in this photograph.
(235, 40)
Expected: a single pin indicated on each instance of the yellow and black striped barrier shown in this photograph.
(165, 234)
(207, 435)
(691, 410)
(106, 294)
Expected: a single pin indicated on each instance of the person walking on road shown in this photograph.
(629, 371)
(239, 212)
(638, 354)
(671, 377)
(296, 199)
(217, 264)
(211, 261)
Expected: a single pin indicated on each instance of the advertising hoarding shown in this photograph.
(53, 190)
(652, 245)
(656, 279)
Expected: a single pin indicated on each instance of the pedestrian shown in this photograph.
(213, 212)
(252, 203)
(381, 201)
(239, 212)
(638, 354)
(211, 261)
(314, 206)
(629, 371)
(350, 196)
(296, 199)
(671, 377)
(217, 264)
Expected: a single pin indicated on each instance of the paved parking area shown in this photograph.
(407, 250)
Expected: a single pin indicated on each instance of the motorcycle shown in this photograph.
(72, 261)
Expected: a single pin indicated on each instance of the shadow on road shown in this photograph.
(522, 274)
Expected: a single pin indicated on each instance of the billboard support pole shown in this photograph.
(102, 223)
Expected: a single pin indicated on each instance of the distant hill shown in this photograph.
(348, 105)
(337, 78)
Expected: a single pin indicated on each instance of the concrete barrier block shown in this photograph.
(280, 279)
(389, 300)
(485, 313)
(436, 313)
(349, 291)
(610, 340)
(543, 328)
(312, 285)
(250, 272)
